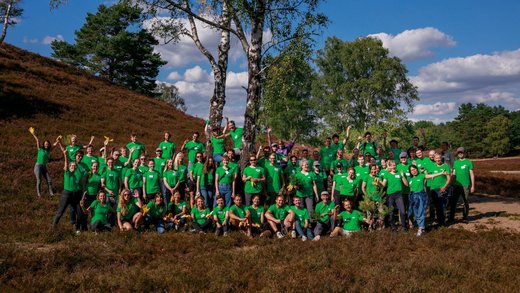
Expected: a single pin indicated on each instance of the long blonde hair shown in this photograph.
(123, 204)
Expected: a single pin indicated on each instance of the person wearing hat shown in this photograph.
(326, 211)
(463, 184)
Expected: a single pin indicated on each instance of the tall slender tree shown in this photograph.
(9, 10)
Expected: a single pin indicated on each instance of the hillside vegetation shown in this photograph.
(57, 99)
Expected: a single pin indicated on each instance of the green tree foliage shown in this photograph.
(497, 138)
(108, 47)
(170, 94)
(9, 11)
(515, 128)
(359, 84)
(286, 95)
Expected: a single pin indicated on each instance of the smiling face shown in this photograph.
(101, 197)
(200, 203)
(151, 165)
(95, 167)
(347, 205)
(237, 200)
(297, 201)
(279, 201)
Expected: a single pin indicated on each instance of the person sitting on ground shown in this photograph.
(351, 220)
(201, 216)
(301, 221)
(178, 209)
(155, 212)
(279, 217)
(326, 211)
(129, 215)
(221, 217)
(99, 209)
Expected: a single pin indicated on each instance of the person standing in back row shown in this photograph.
(463, 184)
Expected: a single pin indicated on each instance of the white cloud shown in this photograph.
(174, 75)
(434, 109)
(196, 74)
(47, 40)
(416, 43)
(27, 40)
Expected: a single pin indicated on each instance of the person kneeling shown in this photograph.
(351, 220)
(326, 211)
(177, 211)
(279, 217)
(154, 212)
(201, 216)
(99, 209)
(221, 217)
(238, 215)
(129, 215)
(257, 224)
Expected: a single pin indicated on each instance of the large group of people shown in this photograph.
(281, 192)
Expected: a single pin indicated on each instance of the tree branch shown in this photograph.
(195, 37)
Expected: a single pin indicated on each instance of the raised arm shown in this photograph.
(348, 136)
(269, 136)
(225, 127)
(31, 130)
(89, 143)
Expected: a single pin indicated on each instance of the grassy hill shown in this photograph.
(57, 99)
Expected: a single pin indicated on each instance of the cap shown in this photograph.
(116, 153)
(460, 150)
(274, 144)
(316, 163)
(325, 192)
(158, 149)
(339, 165)
(403, 155)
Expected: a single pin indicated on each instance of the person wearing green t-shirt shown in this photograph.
(394, 181)
(235, 134)
(339, 159)
(221, 217)
(177, 211)
(217, 140)
(201, 215)
(273, 178)
(326, 213)
(351, 220)
(238, 215)
(321, 177)
(253, 177)
(154, 213)
(151, 185)
(167, 146)
(371, 185)
(182, 176)
(170, 180)
(125, 161)
(205, 182)
(463, 184)
(349, 188)
(361, 169)
(336, 182)
(279, 217)
(92, 186)
(40, 168)
(368, 146)
(99, 209)
(133, 179)
(75, 146)
(301, 221)
(89, 158)
(327, 154)
(138, 147)
(71, 195)
(439, 188)
(193, 147)
(306, 188)
(129, 215)
(256, 219)
(111, 182)
(225, 178)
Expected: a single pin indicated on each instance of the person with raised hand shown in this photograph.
(42, 158)
(138, 147)
(129, 215)
(76, 146)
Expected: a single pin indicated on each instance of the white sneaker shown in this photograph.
(279, 235)
(420, 232)
(78, 232)
(317, 238)
(293, 234)
(304, 238)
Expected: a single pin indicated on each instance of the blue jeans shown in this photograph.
(300, 231)
(157, 222)
(207, 193)
(417, 208)
(217, 158)
(225, 191)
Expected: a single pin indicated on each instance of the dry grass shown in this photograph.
(56, 99)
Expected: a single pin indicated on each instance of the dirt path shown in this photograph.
(488, 212)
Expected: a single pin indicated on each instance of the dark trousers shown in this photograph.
(68, 198)
(204, 227)
(396, 199)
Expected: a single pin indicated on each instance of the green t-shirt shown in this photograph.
(301, 214)
(236, 136)
(321, 180)
(428, 166)
(273, 175)
(118, 166)
(337, 146)
(72, 181)
(112, 181)
(156, 212)
(220, 213)
(305, 188)
(131, 210)
(159, 165)
(225, 176)
(439, 181)
(348, 186)
(324, 209)
(138, 149)
(193, 147)
(93, 183)
(43, 156)
(234, 167)
(416, 183)
(171, 177)
(327, 155)
(239, 211)
(343, 162)
(372, 190)
(206, 179)
(279, 213)
(256, 214)
(196, 169)
(396, 152)
(168, 148)
(394, 182)
(351, 221)
(405, 168)
(361, 172)
(152, 182)
(71, 151)
(337, 179)
(99, 212)
(218, 145)
(176, 209)
(182, 173)
(420, 163)
(122, 161)
(83, 169)
(292, 169)
(88, 161)
(200, 216)
(102, 166)
(257, 172)
(462, 168)
(368, 147)
(135, 178)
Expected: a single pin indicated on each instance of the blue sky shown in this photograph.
(455, 51)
